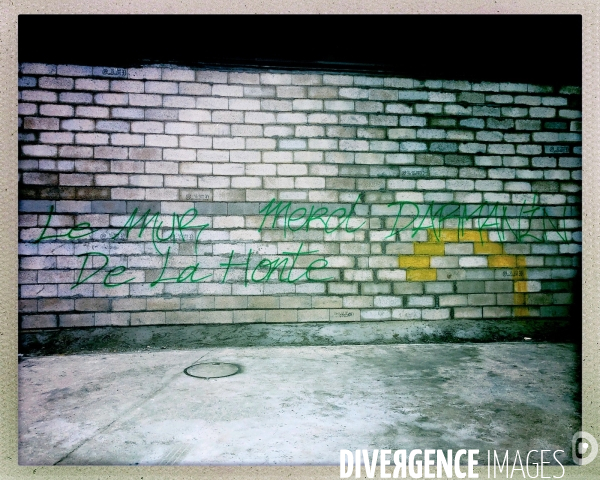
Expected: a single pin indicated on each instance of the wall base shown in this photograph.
(119, 339)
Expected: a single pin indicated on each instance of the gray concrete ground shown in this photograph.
(296, 405)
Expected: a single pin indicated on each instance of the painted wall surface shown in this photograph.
(164, 195)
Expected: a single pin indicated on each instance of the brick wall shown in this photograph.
(175, 196)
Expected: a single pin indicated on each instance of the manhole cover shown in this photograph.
(212, 370)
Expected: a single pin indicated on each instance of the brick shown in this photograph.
(56, 83)
(111, 99)
(91, 138)
(467, 312)
(56, 110)
(275, 79)
(33, 123)
(92, 112)
(281, 316)
(39, 150)
(38, 69)
(414, 261)
(27, 109)
(499, 261)
(38, 96)
(542, 112)
(178, 101)
(147, 318)
(435, 314)
(418, 275)
(39, 321)
(56, 137)
(111, 319)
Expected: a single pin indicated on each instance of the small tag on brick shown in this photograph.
(413, 172)
(111, 72)
(195, 195)
(557, 149)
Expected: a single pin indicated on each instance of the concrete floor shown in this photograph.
(296, 405)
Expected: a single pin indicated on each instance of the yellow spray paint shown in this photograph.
(419, 269)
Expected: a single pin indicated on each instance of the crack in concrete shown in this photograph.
(132, 408)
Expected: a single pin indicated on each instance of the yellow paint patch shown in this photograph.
(413, 261)
(423, 275)
(427, 248)
(417, 270)
(488, 248)
(449, 235)
(519, 299)
(520, 287)
(502, 261)
(521, 311)
(443, 235)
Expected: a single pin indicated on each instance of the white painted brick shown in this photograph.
(542, 112)
(211, 76)
(219, 90)
(218, 129)
(293, 144)
(291, 118)
(305, 104)
(435, 314)
(244, 104)
(194, 168)
(246, 130)
(212, 156)
(395, 275)
(56, 110)
(259, 117)
(406, 314)
(56, 83)
(38, 69)
(178, 101)
(323, 118)
(473, 262)
(179, 128)
(178, 74)
(244, 78)
(260, 144)
(160, 141)
(245, 156)
(212, 103)
(339, 105)
(308, 157)
(227, 143)
(111, 98)
(56, 137)
(128, 113)
(291, 92)
(147, 127)
(39, 150)
(236, 169)
(195, 142)
(179, 154)
(126, 139)
(277, 157)
(275, 79)
(279, 131)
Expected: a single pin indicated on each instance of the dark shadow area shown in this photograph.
(543, 49)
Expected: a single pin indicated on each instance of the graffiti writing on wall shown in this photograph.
(481, 219)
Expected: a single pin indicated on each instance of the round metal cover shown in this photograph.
(212, 370)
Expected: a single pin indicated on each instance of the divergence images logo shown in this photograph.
(585, 448)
